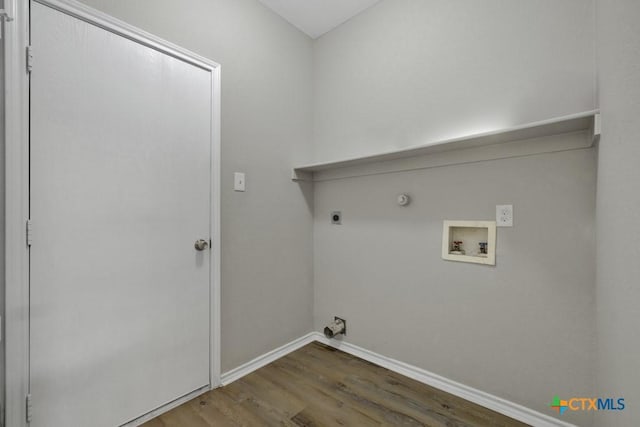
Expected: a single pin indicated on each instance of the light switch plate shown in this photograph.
(238, 181)
(504, 215)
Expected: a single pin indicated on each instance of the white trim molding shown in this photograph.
(265, 359)
(489, 401)
(107, 22)
(16, 168)
(166, 408)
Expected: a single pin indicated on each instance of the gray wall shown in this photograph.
(266, 127)
(618, 208)
(407, 72)
(522, 330)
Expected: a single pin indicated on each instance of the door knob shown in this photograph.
(201, 245)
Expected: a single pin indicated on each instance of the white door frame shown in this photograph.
(16, 39)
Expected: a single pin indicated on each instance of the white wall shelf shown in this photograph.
(588, 121)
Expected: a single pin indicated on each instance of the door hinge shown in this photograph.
(29, 232)
(29, 58)
(29, 407)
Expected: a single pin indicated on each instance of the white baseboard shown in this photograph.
(166, 408)
(489, 401)
(265, 359)
(229, 377)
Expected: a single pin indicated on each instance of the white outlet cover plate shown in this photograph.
(238, 181)
(504, 215)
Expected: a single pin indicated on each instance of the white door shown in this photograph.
(120, 191)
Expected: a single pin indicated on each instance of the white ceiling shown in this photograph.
(316, 17)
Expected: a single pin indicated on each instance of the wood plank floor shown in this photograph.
(320, 386)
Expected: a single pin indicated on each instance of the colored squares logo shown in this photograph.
(558, 405)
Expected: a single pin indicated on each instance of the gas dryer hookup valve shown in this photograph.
(337, 327)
